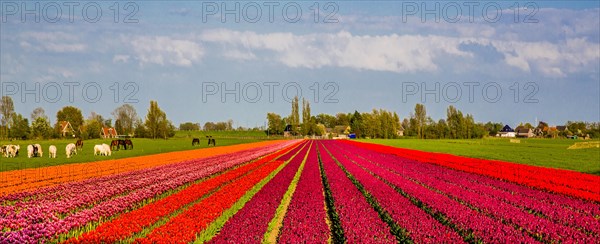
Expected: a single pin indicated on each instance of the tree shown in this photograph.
(307, 123)
(92, 127)
(19, 127)
(356, 123)
(421, 119)
(189, 126)
(327, 120)
(493, 128)
(342, 119)
(140, 129)
(40, 128)
(125, 118)
(156, 121)
(455, 120)
(295, 115)
(7, 108)
(38, 112)
(72, 115)
(276, 124)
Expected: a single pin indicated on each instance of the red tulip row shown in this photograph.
(250, 223)
(135, 221)
(305, 220)
(567, 182)
(360, 222)
(184, 227)
(463, 188)
(420, 226)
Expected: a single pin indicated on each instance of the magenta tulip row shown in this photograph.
(360, 222)
(250, 223)
(305, 220)
(420, 226)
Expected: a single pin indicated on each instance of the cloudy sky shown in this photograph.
(508, 62)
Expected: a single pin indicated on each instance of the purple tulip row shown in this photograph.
(129, 189)
(250, 223)
(359, 220)
(420, 226)
(461, 189)
(305, 220)
(464, 218)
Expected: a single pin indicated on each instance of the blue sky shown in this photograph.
(531, 61)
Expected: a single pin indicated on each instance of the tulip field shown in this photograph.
(301, 191)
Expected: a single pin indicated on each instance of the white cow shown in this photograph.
(30, 151)
(107, 151)
(70, 149)
(52, 151)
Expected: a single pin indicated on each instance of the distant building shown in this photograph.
(108, 133)
(400, 132)
(65, 128)
(507, 132)
(526, 133)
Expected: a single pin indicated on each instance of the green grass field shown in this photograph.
(181, 141)
(539, 152)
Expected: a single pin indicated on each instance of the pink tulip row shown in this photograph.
(305, 220)
(483, 228)
(93, 204)
(250, 223)
(420, 226)
(458, 187)
(352, 207)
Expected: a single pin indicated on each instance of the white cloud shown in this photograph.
(164, 50)
(398, 53)
(59, 42)
(381, 53)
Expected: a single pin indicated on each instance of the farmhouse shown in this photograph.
(506, 132)
(108, 133)
(525, 132)
(65, 128)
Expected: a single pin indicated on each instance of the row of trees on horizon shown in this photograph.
(14, 125)
(380, 123)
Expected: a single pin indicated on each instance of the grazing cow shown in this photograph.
(71, 149)
(98, 149)
(114, 144)
(40, 152)
(30, 151)
(52, 151)
(79, 144)
(107, 151)
(195, 141)
(3, 151)
(128, 144)
(16, 150)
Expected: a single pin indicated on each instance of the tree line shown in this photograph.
(380, 123)
(126, 122)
